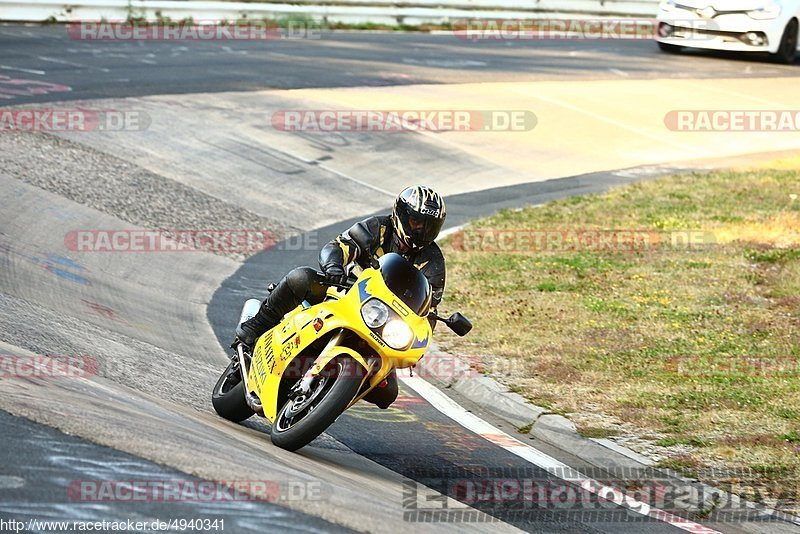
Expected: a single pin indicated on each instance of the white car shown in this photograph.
(735, 25)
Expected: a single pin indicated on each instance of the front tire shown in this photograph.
(228, 396)
(670, 48)
(788, 47)
(338, 384)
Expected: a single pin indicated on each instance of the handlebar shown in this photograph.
(324, 280)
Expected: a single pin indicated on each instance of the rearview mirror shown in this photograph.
(458, 324)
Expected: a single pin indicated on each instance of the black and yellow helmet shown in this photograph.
(418, 216)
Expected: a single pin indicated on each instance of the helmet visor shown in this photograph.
(424, 228)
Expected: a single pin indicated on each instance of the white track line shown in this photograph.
(471, 422)
(450, 231)
(72, 64)
(29, 71)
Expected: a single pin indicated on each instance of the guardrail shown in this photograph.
(391, 12)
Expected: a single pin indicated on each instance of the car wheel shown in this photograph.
(671, 48)
(788, 47)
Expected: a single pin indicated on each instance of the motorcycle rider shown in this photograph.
(410, 230)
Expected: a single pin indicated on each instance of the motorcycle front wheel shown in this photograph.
(302, 419)
(228, 396)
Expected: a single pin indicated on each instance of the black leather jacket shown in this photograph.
(374, 237)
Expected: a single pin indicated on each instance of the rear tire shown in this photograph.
(342, 380)
(788, 47)
(228, 396)
(670, 48)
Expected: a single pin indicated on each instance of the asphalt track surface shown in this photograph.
(99, 69)
(42, 467)
(41, 64)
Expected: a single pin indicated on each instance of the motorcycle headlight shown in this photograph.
(375, 313)
(770, 10)
(397, 334)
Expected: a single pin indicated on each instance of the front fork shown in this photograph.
(307, 384)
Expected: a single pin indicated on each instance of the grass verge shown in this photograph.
(695, 346)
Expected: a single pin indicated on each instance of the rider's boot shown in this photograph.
(252, 329)
(298, 285)
(385, 393)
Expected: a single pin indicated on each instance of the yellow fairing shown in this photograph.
(275, 353)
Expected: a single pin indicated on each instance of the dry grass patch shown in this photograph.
(697, 346)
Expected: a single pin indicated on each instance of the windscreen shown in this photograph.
(406, 281)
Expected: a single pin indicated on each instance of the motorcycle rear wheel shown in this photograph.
(337, 386)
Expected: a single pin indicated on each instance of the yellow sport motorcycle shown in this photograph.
(320, 360)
